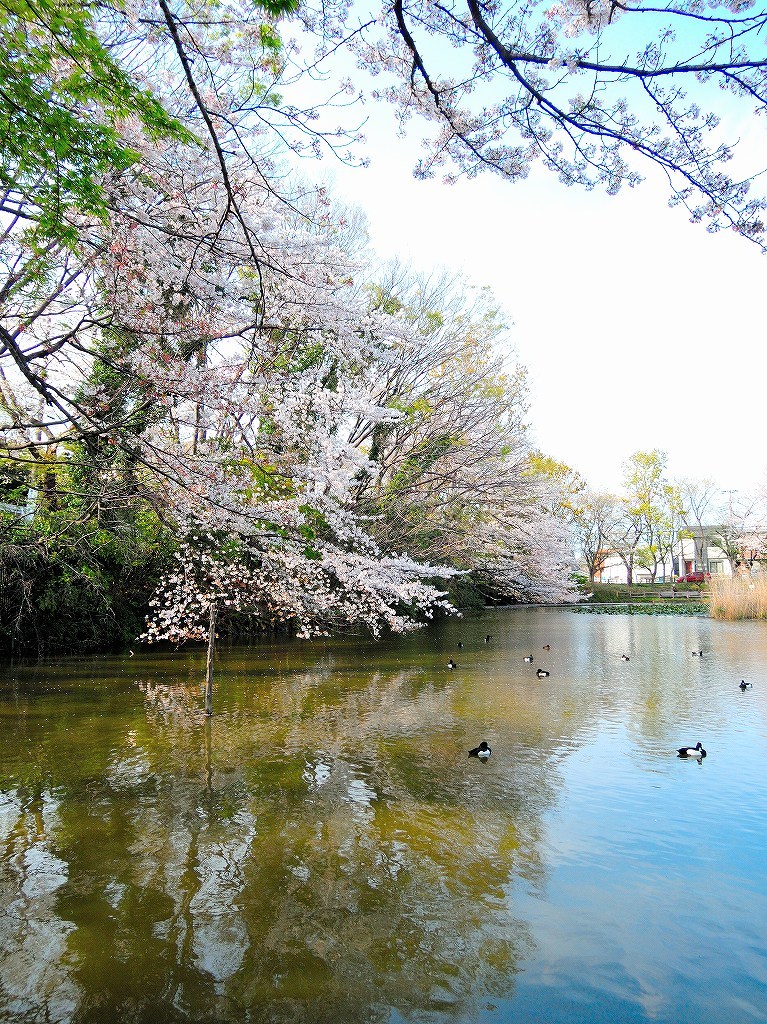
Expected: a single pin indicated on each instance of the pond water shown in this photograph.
(324, 850)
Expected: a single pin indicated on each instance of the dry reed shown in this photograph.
(738, 597)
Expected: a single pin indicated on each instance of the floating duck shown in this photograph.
(460, 643)
(547, 647)
(744, 685)
(451, 664)
(542, 673)
(696, 751)
(528, 657)
(482, 751)
(625, 657)
(697, 654)
(488, 638)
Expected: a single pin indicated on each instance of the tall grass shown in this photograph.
(738, 597)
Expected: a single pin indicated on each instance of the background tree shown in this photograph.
(653, 509)
(699, 501)
(627, 536)
(455, 479)
(595, 524)
(741, 533)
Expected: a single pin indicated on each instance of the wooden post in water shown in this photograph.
(209, 666)
(209, 763)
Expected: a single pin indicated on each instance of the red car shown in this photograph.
(694, 577)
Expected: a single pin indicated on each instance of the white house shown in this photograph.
(684, 560)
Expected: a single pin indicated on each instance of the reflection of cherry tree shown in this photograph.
(171, 701)
(320, 841)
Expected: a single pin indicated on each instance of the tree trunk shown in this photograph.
(209, 666)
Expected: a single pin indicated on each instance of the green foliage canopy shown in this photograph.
(62, 95)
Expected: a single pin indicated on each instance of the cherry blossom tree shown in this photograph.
(204, 320)
(591, 91)
(270, 578)
(143, 117)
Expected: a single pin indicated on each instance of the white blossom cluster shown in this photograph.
(281, 586)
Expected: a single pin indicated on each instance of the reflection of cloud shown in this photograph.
(359, 795)
(316, 775)
(33, 938)
(220, 935)
(129, 772)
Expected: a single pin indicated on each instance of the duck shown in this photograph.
(697, 654)
(528, 657)
(451, 664)
(482, 751)
(547, 647)
(488, 638)
(625, 657)
(460, 643)
(696, 751)
(542, 673)
(744, 685)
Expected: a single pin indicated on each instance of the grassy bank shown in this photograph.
(638, 593)
(739, 597)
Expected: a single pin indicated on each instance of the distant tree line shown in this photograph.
(645, 523)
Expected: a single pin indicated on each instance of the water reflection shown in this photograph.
(298, 853)
(323, 847)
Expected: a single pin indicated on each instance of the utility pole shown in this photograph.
(730, 527)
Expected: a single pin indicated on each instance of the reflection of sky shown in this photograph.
(33, 939)
(656, 896)
(220, 933)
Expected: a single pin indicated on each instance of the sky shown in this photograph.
(639, 329)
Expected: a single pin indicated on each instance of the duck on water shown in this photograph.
(696, 751)
(482, 751)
